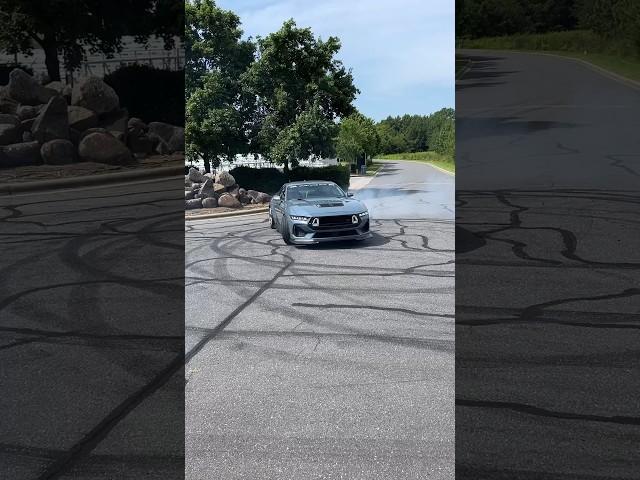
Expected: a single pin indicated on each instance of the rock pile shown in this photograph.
(55, 124)
(212, 191)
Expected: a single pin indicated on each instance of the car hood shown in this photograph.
(318, 207)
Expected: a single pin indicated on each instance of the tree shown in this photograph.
(219, 109)
(357, 137)
(297, 83)
(66, 26)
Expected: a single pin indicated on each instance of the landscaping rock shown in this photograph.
(25, 89)
(8, 105)
(141, 144)
(9, 133)
(81, 118)
(188, 195)
(219, 189)
(171, 135)
(210, 202)
(136, 127)
(226, 179)
(262, 198)
(93, 93)
(195, 176)
(176, 142)
(52, 122)
(192, 204)
(58, 152)
(20, 154)
(6, 118)
(27, 136)
(116, 121)
(26, 112)
(103, 148)
(206, 190)
(229, 201)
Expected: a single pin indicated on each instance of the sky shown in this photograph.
(401, 52)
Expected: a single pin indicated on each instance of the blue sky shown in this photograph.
(401, 52)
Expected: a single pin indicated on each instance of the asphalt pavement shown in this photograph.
(325, 362)
(547, 365)
(91, 333)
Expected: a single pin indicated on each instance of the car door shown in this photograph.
(279, 206)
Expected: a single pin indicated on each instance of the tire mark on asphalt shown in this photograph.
(369, 307)
(543, 412)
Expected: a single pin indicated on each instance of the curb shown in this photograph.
(228, 214)
(88, 180)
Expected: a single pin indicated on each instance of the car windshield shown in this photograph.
(310, 190)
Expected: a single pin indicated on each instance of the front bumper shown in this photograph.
(305, 234)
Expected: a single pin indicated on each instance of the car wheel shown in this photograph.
(272, 223)
(286, 236)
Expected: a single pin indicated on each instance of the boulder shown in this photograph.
(26, 112)
(20, 154)
(58, 152)
(188, 195)
(187, 181)
(115, 121)
(192, 204)
(219, 189)
(226, 179)
(27, 136)
(8, 105)
(210, 202)
(27, 125)
(57, 86)
(263, 198)
(253, 194)
(6, 118)
(93, 93)
(171, 135)
(52, 122)
(25, 89)
(10, 133)
(103, 148)
(136, 127)
(74, 136)
(93, 130)
(195, 176)
(118, 135)
(162, 147)
(229, 201)
(81, 118)
(206, 190)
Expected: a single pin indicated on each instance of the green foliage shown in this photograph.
(301, 89)
(443, 161)
(64, 26)
(357, 137)
(270, 180)
(219, 109)
(267, 180)
(416, 133)
(140, 87)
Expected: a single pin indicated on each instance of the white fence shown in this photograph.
(259, 162)
(99, 65)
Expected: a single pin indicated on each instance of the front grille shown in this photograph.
(335, 221)
(298, 231)
(339, 233)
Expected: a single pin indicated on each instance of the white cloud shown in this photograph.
(396, 48)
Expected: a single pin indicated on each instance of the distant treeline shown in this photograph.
(617, 20)
(418, 133)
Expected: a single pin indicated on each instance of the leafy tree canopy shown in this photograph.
(357, 137)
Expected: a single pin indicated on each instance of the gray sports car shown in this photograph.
(317, 211)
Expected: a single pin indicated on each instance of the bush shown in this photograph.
(5, 70)
(143, 92)
(270, 180)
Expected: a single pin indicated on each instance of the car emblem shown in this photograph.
(315, 222)
(354, 219)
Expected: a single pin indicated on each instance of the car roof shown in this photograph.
(311, 182)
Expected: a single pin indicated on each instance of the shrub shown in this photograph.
(143, 92)
(5, 70)
(267, 180)
(335, 173)
(270, 180)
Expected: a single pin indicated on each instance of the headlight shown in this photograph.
(299, 219)
(364, 214)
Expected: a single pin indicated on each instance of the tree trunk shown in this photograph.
(50, 48)
(207, 165)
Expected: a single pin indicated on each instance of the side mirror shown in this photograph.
(276, 198)
(349, 194)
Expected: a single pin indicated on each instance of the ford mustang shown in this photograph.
(317, 211)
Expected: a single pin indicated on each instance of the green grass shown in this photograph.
(584, 45)
(436, 159)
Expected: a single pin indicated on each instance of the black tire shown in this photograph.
(286, 236)
(272, 223)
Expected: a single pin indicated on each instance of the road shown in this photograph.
(547, 370)
(91, 333)
(324, 362)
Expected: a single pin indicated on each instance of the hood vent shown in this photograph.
(330, 204)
